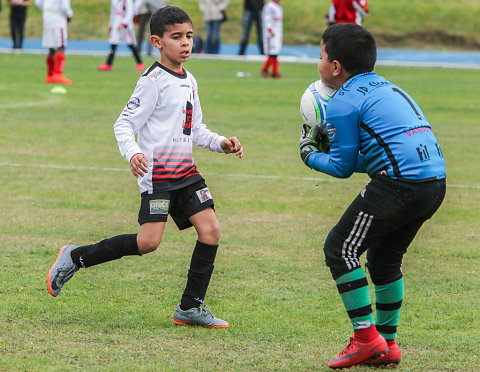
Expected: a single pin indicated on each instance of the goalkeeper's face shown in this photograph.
(330, 71)
(175, 45)
(326, 68)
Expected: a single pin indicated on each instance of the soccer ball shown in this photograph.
(313, 104)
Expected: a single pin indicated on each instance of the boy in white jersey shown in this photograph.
(164, 113)
(272, 20)
(121, 32)
(56, 15)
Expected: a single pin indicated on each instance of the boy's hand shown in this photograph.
(139, 165)
(232, 145)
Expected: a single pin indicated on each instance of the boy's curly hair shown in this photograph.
(165, 17)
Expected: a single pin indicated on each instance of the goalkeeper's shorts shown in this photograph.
(382, 220)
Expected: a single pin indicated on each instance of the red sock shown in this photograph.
(365, 334)
(275, 66)
(267, 64)
(50, 65)
(59, 62)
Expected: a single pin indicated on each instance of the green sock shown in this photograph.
(389, 299)
(355, 294)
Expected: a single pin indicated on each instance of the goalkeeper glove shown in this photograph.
(323, 142)
(313, 139)
(308, 143)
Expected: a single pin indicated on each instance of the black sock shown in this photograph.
(106, 250)
(111, 56)
(199, 274)
(135, 53)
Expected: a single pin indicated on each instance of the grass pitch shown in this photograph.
(63, 181)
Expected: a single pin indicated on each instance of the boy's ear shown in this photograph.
(156, 41)
(337, 68)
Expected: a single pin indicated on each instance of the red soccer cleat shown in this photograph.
(60, 79)
(264, 73)
(277, 76)
(140, 66)
(104, 67)
(50, 79)
(357, 352)
(391, 358)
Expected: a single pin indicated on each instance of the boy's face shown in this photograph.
(326, 68)
(175, 45)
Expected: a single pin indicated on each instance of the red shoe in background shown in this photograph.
(104, 67)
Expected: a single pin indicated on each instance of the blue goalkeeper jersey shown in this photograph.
(377, 128)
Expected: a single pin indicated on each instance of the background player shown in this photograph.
(56, 15)
(272, 20)
(375, 127)
(164, 112)
(348, 11)
(121, 31)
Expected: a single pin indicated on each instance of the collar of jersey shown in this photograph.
(182, 75)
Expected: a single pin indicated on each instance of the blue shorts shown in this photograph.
(181, 204)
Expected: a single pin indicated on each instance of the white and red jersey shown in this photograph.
(272, 20)
(164, 113)
(348, 11)
(122, 13)
(55, 15)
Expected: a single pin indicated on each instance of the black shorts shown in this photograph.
(181, 204)
(382, 220)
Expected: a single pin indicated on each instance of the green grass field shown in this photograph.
(64, 181)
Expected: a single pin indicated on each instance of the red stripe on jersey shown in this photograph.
(174, 177)
(167, 158)
(172, 165)
(157, 163)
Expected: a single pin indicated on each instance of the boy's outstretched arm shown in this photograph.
(232, 145)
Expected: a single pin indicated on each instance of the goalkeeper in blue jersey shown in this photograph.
(372, 126)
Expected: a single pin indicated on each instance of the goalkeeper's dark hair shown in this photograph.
(165, 17)
(352, 45)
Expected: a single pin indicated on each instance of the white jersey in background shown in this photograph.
(55, 16)
(272, 18)
(122, 12)
(164, 113)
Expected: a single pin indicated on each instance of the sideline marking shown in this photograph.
(315, 179)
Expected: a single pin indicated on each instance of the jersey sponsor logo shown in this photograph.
(184, 86)
(204, 195)
(187, 124)
(417, 130)
(331, 131)
(378, 83)
(181, 140)
(159, 206)
(133, 104)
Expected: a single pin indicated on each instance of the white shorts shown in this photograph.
(272, 45)
(54, 37)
